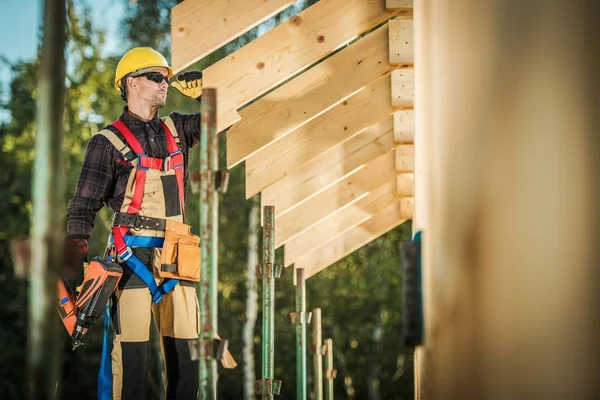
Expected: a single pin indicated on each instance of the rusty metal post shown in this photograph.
(300, 318)
(209, 210)
(317, 347)
(330, 372)
(47, 240)
(267, 272)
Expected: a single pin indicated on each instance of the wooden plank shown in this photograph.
(405, 158)
(336, 249)
(340, 223)
(309, 95)
(406, 206)
(403, 88)
(404, 126)
(199, 27)
(335, 198)
(335, 126)
(405, 184)
(398, 4)
(287, 49)
(401, 42)
(329, 168)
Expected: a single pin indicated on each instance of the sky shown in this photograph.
(20, 19)
(19, 29)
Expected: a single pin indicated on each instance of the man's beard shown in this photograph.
(159, 101)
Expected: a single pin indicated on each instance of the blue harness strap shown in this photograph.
(105, 373)
(158, 291)
(142, 271)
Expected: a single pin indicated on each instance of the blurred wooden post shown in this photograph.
(47, 237)
(507, 152)
(317, 348)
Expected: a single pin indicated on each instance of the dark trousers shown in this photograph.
(177, 318)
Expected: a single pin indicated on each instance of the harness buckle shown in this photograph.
(139, 166)
(124, 256)
(168, 161)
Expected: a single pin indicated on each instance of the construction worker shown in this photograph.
(137, 166)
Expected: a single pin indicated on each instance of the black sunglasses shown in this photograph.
(154, 77)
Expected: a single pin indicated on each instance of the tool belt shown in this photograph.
(138, 222)
(180, 257)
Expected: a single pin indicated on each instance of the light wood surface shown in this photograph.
(329, 168)
(199, 27)
(401, 41)
(308, 95)
(287, 49)
(398, 4)
(344, 193)
(337, 125)
(322, 257)
(340, 223)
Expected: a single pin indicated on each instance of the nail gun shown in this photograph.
(79, 310)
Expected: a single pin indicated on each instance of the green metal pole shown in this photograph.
(301, 320)
(329, 371)
(209, 209)
(47, 240)
(268, 271)
(317, 355)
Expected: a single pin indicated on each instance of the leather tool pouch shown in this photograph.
(180, 258)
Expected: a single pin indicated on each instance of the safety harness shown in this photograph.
(121, 240)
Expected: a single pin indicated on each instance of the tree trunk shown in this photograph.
(251, 301)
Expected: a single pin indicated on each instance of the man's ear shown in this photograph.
(130, 82)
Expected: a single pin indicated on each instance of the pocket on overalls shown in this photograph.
(180, 257)
(189, 259)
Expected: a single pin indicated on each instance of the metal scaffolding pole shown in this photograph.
(267, 272)
(209, 230)
(317, 354)
(330, 372)
(300, 319)
(47, 240)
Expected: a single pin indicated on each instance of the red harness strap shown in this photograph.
(174, 161)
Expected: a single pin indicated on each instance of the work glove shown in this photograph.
(76, 263)
(189, 84)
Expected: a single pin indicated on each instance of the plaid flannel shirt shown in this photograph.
(104, 173)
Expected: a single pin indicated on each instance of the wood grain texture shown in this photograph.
(402, 50)
(287, 49)
(344, 193)
(340, 223)
(338, 248)
(328, 168)
(308, 95)
(199, 27)
(332, 128)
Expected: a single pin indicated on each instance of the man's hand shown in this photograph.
(76, 263)
(189, 84)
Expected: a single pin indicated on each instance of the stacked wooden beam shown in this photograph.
(331, 146)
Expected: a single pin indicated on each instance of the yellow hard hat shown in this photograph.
(139, 58)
